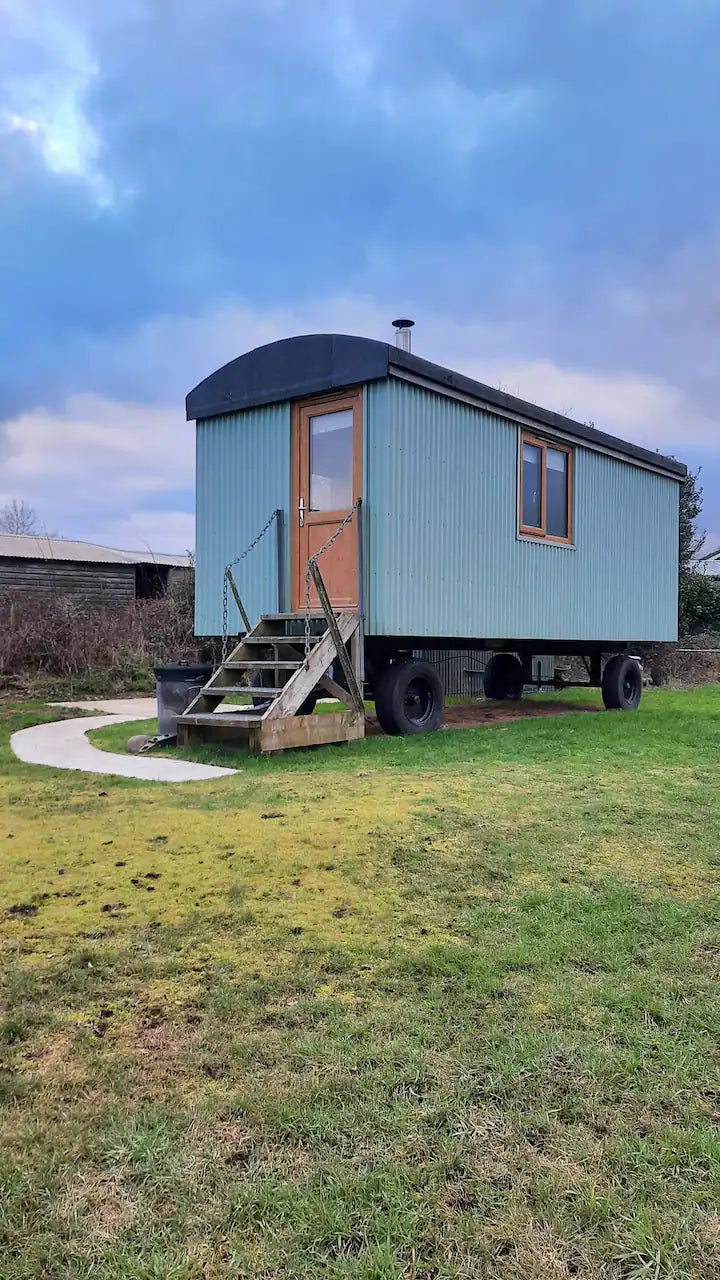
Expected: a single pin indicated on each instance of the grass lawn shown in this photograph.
(406, 1008)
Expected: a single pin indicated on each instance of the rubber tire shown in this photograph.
(503, 678)
(622, 683)
(391, 690)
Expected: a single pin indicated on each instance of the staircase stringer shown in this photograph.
(307, 678)
(211, 694)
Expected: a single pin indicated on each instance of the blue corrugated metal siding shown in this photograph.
(243, 474)
(444, 558)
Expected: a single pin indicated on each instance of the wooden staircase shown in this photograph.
(269, 666)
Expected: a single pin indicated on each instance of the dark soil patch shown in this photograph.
(469, 715)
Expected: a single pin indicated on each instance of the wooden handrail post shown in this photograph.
(354, 689)
(238, 601)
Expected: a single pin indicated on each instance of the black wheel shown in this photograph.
(503, 677)
(622, 683)
(409, 697)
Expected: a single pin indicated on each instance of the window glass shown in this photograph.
(556, 493)
(331, 461)
(532, 486)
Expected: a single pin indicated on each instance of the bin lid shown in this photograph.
(183, 671)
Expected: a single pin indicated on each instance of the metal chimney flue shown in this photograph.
(402, 334)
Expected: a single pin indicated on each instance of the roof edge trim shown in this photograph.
(458, 386)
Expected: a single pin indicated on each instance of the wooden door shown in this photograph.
(326, 481)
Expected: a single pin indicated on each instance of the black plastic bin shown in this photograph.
(177, 685)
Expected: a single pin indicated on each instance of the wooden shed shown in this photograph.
(427, 511)
(83, 571)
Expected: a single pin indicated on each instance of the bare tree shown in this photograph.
(19, 517)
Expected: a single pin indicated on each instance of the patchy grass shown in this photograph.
(431, 1007)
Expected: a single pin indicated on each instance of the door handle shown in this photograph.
(301, 511)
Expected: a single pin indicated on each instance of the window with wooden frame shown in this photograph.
(546, 478)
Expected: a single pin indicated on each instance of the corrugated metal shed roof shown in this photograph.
(31, 547)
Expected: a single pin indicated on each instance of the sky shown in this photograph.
(536, 183)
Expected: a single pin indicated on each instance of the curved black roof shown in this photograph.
(288, 369)
(315, 363)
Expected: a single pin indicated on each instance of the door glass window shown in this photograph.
(532, 486)
(557, 493)
(331, 461)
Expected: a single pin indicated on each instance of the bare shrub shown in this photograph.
(694, 660)
(57, 636)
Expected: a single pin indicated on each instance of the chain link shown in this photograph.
(228, 567)
(313, 559)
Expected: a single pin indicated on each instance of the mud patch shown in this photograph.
(470, 715)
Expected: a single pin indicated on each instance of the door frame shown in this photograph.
(301, 409)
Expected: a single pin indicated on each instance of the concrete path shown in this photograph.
(143, 708)
(63, 745)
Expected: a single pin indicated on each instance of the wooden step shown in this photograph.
(263, 664)
(222, 690)
(265, 641)
(314, 615)
(251, 716)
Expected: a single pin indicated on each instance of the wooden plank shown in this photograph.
(357, 656)
(107, 586)
(315, 614)
(304, 681)
(205, 718)
(264, 690)
(310, 731)
(233, 736)
(264, 664)
(355, 695)
(328, 685)
(279, 641)
(238, 601)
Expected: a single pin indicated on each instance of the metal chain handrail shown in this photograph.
(228, 569)
(313, 560)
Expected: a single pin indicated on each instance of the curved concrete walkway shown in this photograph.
(63, 745)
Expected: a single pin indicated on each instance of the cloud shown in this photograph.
(647, 411)
(100, 468)
(169, 532)
(459, 117)
(49, 75)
